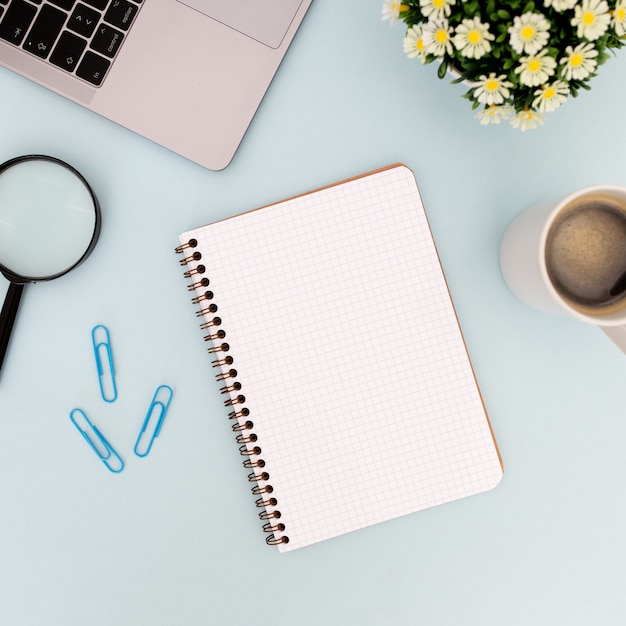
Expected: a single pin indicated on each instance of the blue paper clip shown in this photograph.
(159, 405)
(98, 443)
(103, 354)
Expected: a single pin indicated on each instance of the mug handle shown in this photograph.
(617, 334)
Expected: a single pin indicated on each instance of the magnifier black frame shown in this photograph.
(19, 279)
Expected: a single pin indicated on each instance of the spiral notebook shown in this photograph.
(329, 323)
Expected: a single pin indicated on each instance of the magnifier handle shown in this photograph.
(7, 317)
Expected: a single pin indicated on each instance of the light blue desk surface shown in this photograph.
(175, 540)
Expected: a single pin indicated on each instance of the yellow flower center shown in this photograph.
(492, 84)
(588, 18)
(419, 44)
(473, 36)
(438, 4)
(576, 59)
(528, 32)
(441, 36)
(620, 14)
(534, 65)
(549, 93)
(398, 7)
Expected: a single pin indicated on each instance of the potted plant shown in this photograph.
(520, 59)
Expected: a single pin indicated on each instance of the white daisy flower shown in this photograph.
(560, 5)
(494, 114)
(472, 38)
(437, 36)
(536, 69)
(551, 96)
(492, 89)
(436, 9)
(413, 44)
(619, 18)
(592, 19)
(526, 120)
(579, 62)
(530, 32)
(392, 10)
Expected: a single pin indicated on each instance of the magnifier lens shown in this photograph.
(47, 218)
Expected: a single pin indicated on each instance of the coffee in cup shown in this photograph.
(585, 253)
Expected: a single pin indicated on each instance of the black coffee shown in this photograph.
(586, 254)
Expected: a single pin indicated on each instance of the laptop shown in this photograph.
(187, 74)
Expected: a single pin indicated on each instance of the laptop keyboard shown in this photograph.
(82, 38)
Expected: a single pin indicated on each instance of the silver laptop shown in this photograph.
(188, 74)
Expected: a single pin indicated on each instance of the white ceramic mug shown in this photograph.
(526, 272)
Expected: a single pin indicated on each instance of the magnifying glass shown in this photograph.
(49, 224)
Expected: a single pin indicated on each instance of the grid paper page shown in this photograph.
(350, 357)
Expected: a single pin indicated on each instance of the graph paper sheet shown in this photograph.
(350, 357)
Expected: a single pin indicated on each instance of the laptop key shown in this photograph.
(64, 4)
(67, 52)
(92, 68)
(16, 21)
(99, 4)
(121, 14)
(107, 40)
(45, 30)
(83, 20)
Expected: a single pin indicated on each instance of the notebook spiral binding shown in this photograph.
(247, 440)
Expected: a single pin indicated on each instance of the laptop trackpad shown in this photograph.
(266, 21)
